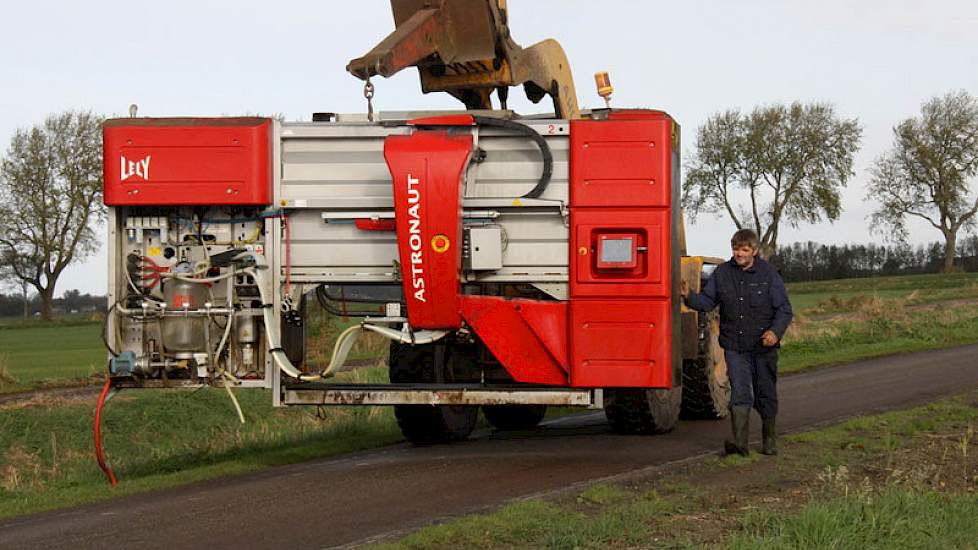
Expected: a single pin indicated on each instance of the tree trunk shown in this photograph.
(47, 303)
(950, 244)
(27, 303)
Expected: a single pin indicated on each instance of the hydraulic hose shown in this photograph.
(548, 158)
(344, 343)
(99, 455)
(417, 338)
(237, 406)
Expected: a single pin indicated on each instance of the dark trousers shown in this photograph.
(754, 380)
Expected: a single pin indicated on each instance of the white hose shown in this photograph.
(277, 353)
(237, 406)
(227, 327)
(418, 338)
(208, 280)
(344, 343)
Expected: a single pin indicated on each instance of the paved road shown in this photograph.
(357, 498)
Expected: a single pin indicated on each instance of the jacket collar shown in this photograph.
(753, 268)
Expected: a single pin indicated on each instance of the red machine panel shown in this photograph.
(648, 275)
(186, 161)
(621, 163)
(621, 343)
(529, 337)
(427, 168)
(622, 269)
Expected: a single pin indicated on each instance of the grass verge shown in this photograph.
(904, 479)
(158, 439)
(876, 329)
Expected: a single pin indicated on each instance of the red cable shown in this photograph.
(98, 433)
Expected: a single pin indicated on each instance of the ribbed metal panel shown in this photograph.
(328, 169)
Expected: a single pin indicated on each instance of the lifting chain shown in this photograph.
(368, 93)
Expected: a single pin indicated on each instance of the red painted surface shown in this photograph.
(427, 169)
(368, 224)
(621, 163)
(650, 274)
(187, 161)
(620, 333)
(447, 120)
(528, 337)
(620, 343)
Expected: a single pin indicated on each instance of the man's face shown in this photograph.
(744, 255)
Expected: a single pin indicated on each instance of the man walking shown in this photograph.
(754, 315)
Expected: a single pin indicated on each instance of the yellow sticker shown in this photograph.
(153, 251)
(516, 202)
(440, 243)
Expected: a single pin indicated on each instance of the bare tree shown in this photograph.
(930, 171)
(779, 164)
(50, 199)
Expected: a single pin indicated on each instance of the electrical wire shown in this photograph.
(99, 454)
(326, 303)
(105, 330)
(548, 157)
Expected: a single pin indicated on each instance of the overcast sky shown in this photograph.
(875, 60)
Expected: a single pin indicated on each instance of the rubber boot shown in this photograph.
(740, 422)
(769, 434)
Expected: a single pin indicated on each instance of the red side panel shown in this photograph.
(188, 161)
(621, 269)
(621, 343)
(427, 169)
(650, 274)
(527, 336)
(621, 164)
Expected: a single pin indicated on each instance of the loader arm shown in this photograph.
(463, 47)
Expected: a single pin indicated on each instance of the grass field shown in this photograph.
(160, 439)
(904, 479)
(37, 356)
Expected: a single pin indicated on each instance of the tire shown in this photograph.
(431, 424)
(706, 388)
(642, 411)
(514, 417)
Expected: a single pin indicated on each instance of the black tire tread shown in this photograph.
(426, 424)
(705, 395)
(514, 417)
(642, 411)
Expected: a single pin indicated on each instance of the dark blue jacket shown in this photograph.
(751, 301)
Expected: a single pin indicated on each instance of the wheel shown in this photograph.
(642, 411)
(706, 388)
(431, 424)
(514, 417)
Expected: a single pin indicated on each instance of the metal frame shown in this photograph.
(438, 394)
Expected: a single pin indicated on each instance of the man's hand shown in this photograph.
(769, 339)
(684, 289)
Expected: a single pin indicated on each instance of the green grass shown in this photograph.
(156, 439)
(58, 354)
(834, 509)
(888, 333)
(895, 283)
(541, 524)
(838, 296)
(894, 519)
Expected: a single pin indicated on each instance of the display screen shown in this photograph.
(616, 250)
